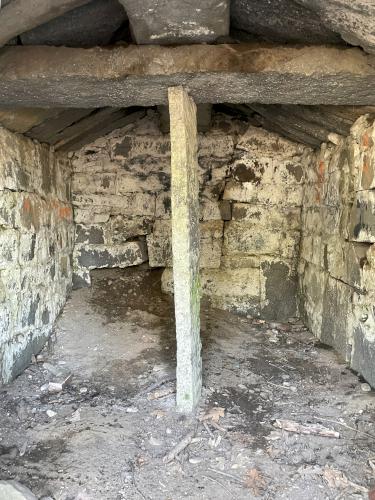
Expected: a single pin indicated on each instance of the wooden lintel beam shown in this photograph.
(23, 15)
(140, 75)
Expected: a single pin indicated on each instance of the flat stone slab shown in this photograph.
(13, 490)
(141, 75)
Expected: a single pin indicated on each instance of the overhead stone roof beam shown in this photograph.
(141, 75)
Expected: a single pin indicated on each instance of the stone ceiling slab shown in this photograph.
(173, 21)
(279, 21)
(95, 23)
(353, 19)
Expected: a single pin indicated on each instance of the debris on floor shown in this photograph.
(280, 416)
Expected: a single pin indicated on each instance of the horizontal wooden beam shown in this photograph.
(140, 75)
(23, 15)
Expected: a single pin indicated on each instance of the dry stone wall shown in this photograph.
(36, 241)
(251, 190)
(337, 266)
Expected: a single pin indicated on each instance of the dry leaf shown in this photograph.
(158, 413)
(254, 481)
(214, 414)
(337, 480)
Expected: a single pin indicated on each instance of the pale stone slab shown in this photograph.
(185, 246)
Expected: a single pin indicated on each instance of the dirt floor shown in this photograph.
(104, 436)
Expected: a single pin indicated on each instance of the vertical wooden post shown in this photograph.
(185, 245)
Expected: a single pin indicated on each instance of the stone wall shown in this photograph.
(337, 266)
(251, 188)
(36, 238)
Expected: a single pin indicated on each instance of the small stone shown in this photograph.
(52, 388)
(83, 390)
(155, 442)
(76, 416)
(132, 409)
(51, 413)
(365, 387)
(168, 430)
(195, 460)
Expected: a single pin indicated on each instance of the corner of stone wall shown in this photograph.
(336, 269)
(36, 243)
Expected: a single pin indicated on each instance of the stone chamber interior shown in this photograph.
(287, 228)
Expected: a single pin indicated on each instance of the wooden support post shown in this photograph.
(185, 245)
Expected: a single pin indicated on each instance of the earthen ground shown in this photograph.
(108, 436)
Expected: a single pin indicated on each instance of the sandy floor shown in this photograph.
(105, 435)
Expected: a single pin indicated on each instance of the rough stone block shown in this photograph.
(133, 147)
(97, 183)
(122, 229)
(247, 238)
(131, 182)
(9, 247)
(159, 244)
(278, 292)
(271, 217)
(236, 290)
(249, 192)
(13, 490)
(89, 234)
(163, 206)
(217, 146)
(337, 316)
(133, 204)
(96, 257)
(362, 217)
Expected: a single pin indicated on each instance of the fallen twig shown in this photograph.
(179, 447)
(217, 426)
(237, 479)
(162, 393)
(221, 484)
(210, 433)
(337, 479)
(315, 429)
(345, 425)
(156, 385)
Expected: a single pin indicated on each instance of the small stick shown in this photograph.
(156, 385)
(315, 429)
(179, 447)
(237, 479)
(210, 433)
(221, 484)
(344, 425)
(217, 426)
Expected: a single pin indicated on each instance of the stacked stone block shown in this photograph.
(337, 274)
(251, 188)
(36, 242)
